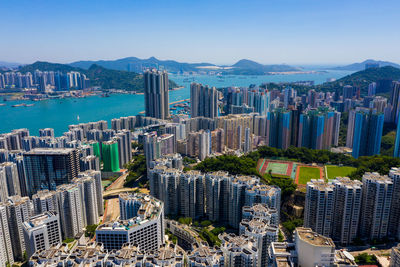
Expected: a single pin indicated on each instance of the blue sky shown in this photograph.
(219, 31)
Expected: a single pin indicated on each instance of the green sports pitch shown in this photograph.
(277, 168)
(333, 171)
(308, 173)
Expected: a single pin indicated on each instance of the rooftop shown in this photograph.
(308, 236)
(263, 189)
(346, 181)
(50, 151)
(320, 185)
(39, 220)
(376, 177)
(149, 209)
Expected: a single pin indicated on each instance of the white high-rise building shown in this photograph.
(239, 250)
(191, 186)
(394, 223)
(87, 187)
(96, 175)
(203, 101)
(376, 205)
(19, 210)
(43, 201)
(6, 251)
(42, 232)
(156, 86)
(319, 207)
(347, 208)
(3, 185)
(11, 171)
(70, 210)
(262, 230)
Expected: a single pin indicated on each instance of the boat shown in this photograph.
(2, 104)
(29, 105)
(17, 105)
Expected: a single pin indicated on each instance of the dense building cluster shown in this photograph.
(45, 81)
(51, 187)
(215, 196)
(345, 209)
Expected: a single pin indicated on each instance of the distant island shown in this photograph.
(362, 65)
(242, 67)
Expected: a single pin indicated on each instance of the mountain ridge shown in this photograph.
(361, 65)
(243, 66)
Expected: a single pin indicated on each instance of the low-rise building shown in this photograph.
(313, 249)
(144, 230)
(42, 232)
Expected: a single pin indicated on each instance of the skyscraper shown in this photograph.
(347, 208)
(366, 132)
(279, 129)
(6, 250)
(48, 168)
(319, 207)
(18, 211)
(70, 211)
(396, 152)
(394, 222)
(156, 94)
(12, 179)
(203, 101)
(376, 205)
(395, 101)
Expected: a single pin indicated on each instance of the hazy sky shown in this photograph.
(216, 31)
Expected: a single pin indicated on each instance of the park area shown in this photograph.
(305, 174)
(333, 171)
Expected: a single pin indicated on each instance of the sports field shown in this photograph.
(276, 167)
(305, 174)
(334, 171)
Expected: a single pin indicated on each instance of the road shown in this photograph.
(111, 211)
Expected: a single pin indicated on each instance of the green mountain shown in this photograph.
(244, 66)
(363, 78)
(361, 66)
(98, 75)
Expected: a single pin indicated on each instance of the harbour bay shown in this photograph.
(59, 113)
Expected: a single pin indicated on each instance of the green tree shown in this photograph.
(91, 230)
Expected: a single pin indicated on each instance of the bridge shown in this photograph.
(115, 192)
